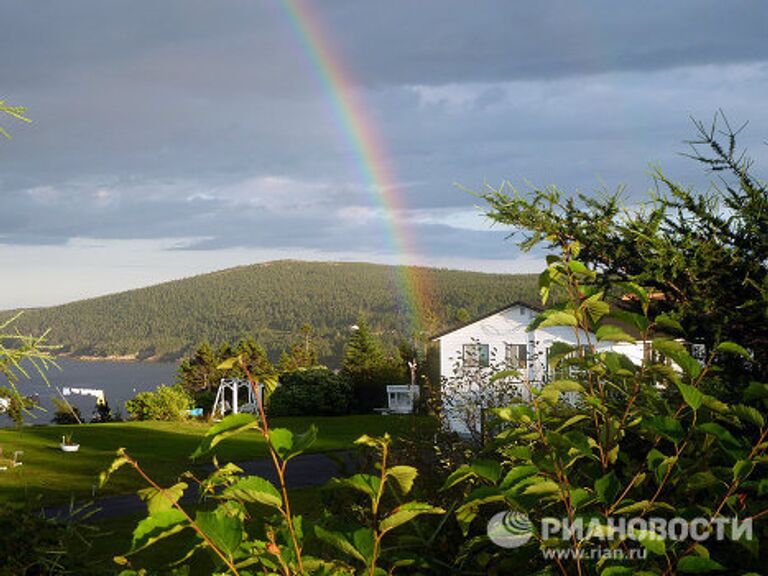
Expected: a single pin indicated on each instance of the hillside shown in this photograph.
(270, 301)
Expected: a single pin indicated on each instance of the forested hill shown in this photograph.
(271, 302)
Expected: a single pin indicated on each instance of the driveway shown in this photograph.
(302, 472)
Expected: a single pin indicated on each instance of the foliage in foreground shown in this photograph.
(639, 442)
(251, 528)
(32, 544)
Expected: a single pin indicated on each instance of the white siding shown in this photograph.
(509, 327)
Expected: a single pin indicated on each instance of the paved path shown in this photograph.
(303, 471)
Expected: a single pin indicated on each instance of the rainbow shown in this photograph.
(366, 145)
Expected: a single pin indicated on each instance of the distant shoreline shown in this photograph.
(124, 359)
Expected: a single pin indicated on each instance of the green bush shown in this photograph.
(66, 413)
(165, 403)
(32, 544)
(312, 392)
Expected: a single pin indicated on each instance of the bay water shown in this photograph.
(120, 382)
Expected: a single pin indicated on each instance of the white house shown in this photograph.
(501, 340)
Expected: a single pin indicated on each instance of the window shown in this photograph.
(517, 355)
(475, 355)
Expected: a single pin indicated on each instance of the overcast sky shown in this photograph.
(177, 137)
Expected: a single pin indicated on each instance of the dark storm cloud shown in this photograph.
(192, 119)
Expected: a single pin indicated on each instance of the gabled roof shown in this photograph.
(527, 304)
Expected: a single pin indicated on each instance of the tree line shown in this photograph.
(270, 302)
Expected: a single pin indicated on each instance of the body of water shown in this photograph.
(120, 381)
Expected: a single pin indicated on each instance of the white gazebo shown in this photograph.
(401, 398)
(230, 401)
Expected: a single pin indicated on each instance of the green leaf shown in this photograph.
(487, 469)
(519, 413)
(550, 395)
(404, 476)
(255, 489)
(156, 527)
(121, 460)
(697, 565)
(571, 421)
(516, 474)
(664, 426)
(229, 426)
(633, 508)
(459, 475)
(374, 442)
(368, 484)
(340, 541)
(554, 318)
(666, 322)
(270, 382)
(651, 541)
(158, 500)
(742, 469)
(714, 404)
(637, 321)
(281, 440)
(724, 436)
(692, 396)
(289, 445)
(748, 414)
(230, 363)
(566, 386)
(406, 513)
(733, 348)
(701, 480)
(542, 488)
(607, 488)
(579, 268)
(580, 497)
(225, 531)
(559, 351)
(755, 391)
(677, 352)
(596, 306)
(613, 334)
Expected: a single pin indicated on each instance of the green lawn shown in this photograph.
(163, 449)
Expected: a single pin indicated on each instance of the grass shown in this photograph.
(163, 449)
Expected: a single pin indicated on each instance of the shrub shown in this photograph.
(32, 544)
(312, 392)
(643, 445)
(165, 403)
(66, 413)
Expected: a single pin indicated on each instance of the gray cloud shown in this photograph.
(205, 120)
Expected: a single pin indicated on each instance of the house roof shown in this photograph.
(528, 304)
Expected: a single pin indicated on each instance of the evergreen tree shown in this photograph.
(303, 353)
(368, 369)
(363, 351)
(255, 357)
(199, 372)
(704, 253)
